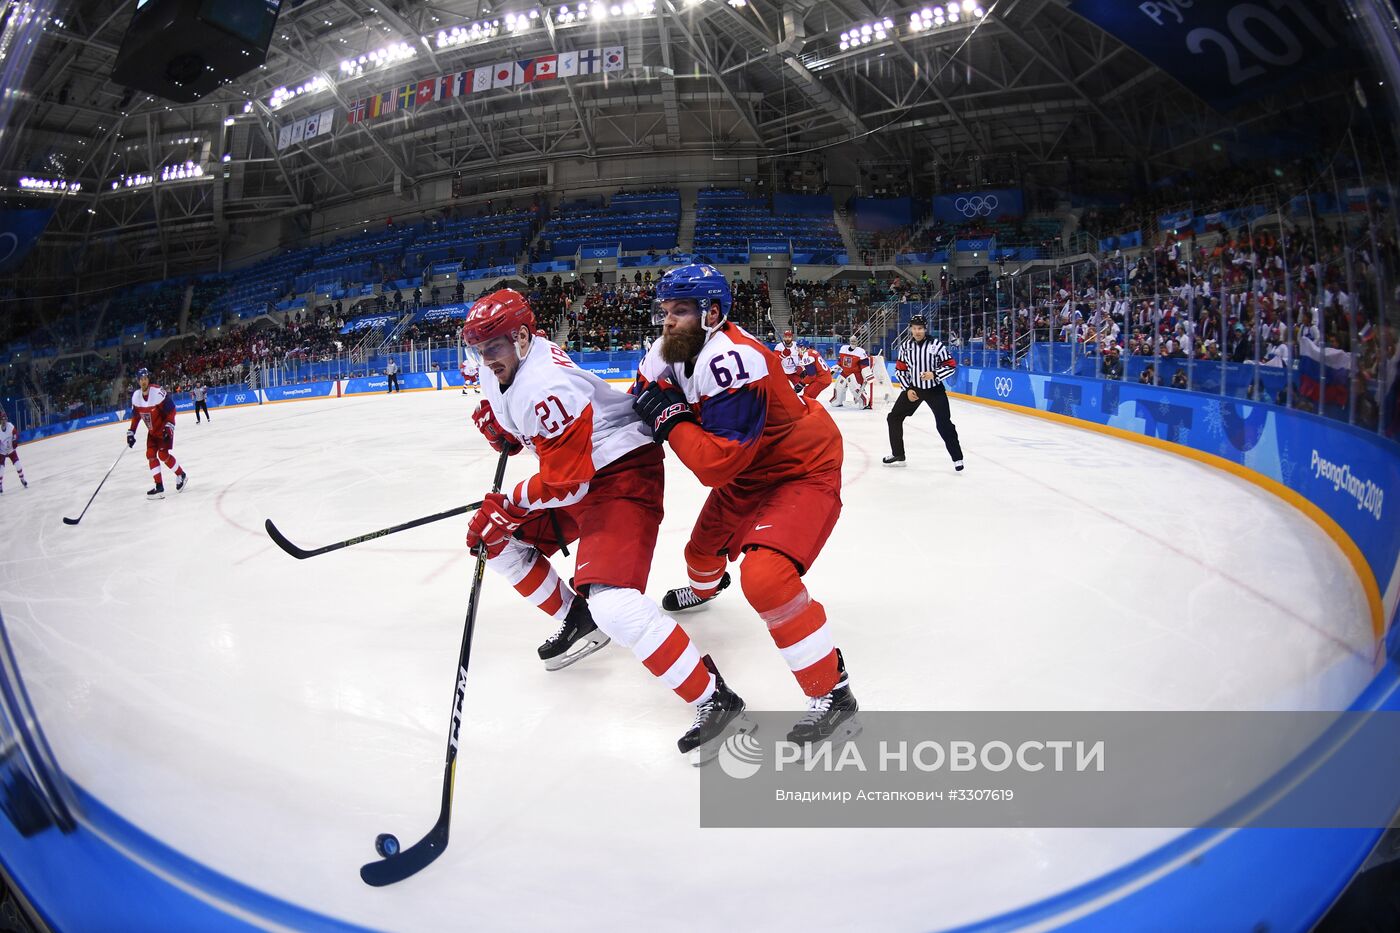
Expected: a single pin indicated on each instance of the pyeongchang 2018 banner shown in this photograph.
(990, 205)
(1227, 53)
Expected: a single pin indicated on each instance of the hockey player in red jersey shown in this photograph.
(600, 482)
(152, 407)
(773, 465)
(814, 374)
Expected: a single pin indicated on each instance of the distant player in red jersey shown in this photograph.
(152, 407)
(600, 481)
(773, 465)
(814, 374)
(9, 450)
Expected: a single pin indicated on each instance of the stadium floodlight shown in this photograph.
(379, 58)
(51, 185)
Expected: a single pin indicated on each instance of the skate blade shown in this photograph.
(582, 649)
(704, 754)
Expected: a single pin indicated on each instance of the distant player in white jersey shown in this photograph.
(880, 376)
(9, 450)
(471, 371)
(792, 356)
(601, 482)
(853, 376)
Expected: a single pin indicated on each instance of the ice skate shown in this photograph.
(893, 461)
(832, 716)
(682, 598)
(719, 717)
(155, 492)
(576, 639)
(180, 482)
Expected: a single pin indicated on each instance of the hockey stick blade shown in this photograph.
(74, 521)
(410, 861)
(396, 866)
(300, 553)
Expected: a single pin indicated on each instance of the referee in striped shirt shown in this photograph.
(924, 364)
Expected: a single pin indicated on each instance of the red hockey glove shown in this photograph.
(493, 524)
(902, 366)
(165, 440)
(501, 440)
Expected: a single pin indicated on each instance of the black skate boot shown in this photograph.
(577, 638)
(683, 598)
(155, 492)
(715, 720)
(180, 482)
(829, 715)
(893, 461)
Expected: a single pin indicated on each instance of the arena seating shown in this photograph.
(635, 222)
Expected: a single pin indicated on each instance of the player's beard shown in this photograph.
(682, 346)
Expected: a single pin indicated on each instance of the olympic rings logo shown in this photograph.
(977, 205)
(1002, 384)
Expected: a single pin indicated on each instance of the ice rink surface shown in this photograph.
(269, 716)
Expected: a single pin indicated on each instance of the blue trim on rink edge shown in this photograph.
(1350, 474)
(301, 391)
(1251, 879)
(380, 384)
(78, 881)
(1275, 879)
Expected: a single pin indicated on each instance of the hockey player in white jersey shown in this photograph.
(601, 482)
(471, 371)
(9, 447)
(792, 356)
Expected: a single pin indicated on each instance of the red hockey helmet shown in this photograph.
(504, 311)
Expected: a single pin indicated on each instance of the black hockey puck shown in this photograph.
(386, 844)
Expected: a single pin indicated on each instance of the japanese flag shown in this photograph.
(504, 74)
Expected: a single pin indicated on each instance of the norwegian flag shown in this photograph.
(546, 67)
(427, 91)
(357, 112)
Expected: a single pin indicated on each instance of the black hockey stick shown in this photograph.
(303, 554)
(74, 521)
(396, 865)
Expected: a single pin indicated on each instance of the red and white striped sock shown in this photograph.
(704, 571)
(666, 651)
(663, 647)
(534, 578)
(796, 622)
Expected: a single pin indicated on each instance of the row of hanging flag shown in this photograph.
(415, 94)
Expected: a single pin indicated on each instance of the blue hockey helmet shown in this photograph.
(699, 281)
(143, 372)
